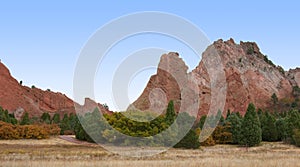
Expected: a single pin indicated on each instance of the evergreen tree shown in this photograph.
(190, 141)
(274, 98)
(25, 120)
(262, 117)
(269, 131)
(72, 121)
(202, 121)
(170, 115)
(235, 127)
(228, 114)
(56, 118)
(64, 124)
(251, 128)
(239, 115)
(4, 115)
(46, 118)
(282, 129)
(293, 122)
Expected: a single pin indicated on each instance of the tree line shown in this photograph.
(248, 130)
(34, 127)
(148, 129)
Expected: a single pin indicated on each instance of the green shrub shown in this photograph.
(250, 50)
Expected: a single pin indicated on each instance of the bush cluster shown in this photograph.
(10, 131)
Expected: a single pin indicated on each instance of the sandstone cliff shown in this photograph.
(17, 98)
(249, 76)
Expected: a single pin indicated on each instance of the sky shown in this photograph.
(40, 41)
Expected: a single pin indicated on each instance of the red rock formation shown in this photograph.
(165, 82)
(17, 98)
(249, 75)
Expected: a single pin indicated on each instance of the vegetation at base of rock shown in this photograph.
(149, 129)
(269, 130)
(10, 131)
(190, 141)
(6, 117)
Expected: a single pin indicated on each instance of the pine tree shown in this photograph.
(235, 127)
(56, 118)
(293, 122)
(269, 131)
(170, 115)
(251, 128)
(64, 124)
(46, 118)
(25, 120)
(282, 129)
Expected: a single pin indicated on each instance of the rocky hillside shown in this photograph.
(249, 76)
(17, 98)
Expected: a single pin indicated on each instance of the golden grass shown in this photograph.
(56, 152)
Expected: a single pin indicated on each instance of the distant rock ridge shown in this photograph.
(250, 77)
(19, 99)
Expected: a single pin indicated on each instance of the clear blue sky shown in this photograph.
(41, 41)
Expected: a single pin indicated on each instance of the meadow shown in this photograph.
(58, 152)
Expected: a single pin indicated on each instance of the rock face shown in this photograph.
(163, 86)
(294, 76)
(238, 72)
(17, 98)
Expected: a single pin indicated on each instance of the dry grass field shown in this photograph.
(58, 152)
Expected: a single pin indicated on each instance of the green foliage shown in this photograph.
(105, 106)
(266, 59)
(281, 70)
(228, 114)
(190, 141)
(293, 122)
(56, 118)
(6, 117)
(235, 127)
(46, 118)
(150, 128)
(282, 129)
(274, 98)
(170, 114)
(64, 124)
(250, 50)
(251, 128)
(202, 121)
(25, 120)
(296, 137)
(296, 91)
(72, 121)
(269, 130)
